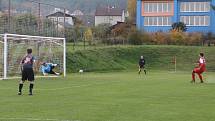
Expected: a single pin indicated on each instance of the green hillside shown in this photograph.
(126, 58)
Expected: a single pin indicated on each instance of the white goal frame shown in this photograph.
(5, 50)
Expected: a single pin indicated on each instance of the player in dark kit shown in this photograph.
(27, 71)
(142, 63)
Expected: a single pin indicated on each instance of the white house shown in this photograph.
(58, 17)
(109, 15)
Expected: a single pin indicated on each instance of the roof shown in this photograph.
(108, 11)
(78, 13)
(59, 14)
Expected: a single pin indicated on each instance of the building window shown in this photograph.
(160, 7)
(195, 20)
(146, 21)
(157, 21)
(195, 6)
(207, 20)
(60, 19)
(150, 20)
(52, 19)
(192, 21)
(154, 7)
(151, 7)
(146, 7)
(165, 21)
(165, 5)
(198, 6)
(160, 21)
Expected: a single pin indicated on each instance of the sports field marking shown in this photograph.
(35, 119)
(17, 77)
(63, 88)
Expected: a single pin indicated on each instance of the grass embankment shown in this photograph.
(126, 58)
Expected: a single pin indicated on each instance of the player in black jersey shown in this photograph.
(142, 63)
(27, 71)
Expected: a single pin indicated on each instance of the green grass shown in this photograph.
(116, 96)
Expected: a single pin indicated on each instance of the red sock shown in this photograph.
(200, 76)
(193, 76)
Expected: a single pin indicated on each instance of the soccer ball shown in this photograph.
(81, 71)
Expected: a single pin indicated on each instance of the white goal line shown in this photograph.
(35, 77)
(36, 119)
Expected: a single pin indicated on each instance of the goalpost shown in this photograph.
(45, 49)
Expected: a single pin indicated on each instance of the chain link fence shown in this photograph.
(33, 18)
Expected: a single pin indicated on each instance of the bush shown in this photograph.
(195, 38)
(160, 38)
(135, 38)
(178, 38)
(126, 33)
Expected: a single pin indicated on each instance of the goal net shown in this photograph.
(45, 49)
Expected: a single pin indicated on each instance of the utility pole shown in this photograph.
(39, 21)
(9, 12)
(0, 4)
(64, 23)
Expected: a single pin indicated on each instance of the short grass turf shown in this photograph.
(116, 96)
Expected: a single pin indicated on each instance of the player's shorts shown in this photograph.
(141, 66)
(27, 74)
(198, 70)
(51, 71)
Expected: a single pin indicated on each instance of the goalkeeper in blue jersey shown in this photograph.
(47, 68)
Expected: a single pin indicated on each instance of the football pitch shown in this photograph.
(115, 96)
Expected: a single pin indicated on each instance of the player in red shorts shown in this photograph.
(200, 69)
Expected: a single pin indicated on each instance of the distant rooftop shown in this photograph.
(78, 13)
(59, 14)
(108, 11)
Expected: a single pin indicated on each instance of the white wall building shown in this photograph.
(109, 15)
(58, 17)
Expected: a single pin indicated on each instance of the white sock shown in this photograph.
(54, 64)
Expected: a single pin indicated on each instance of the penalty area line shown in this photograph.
(74, 86)
(36, 119)
(16, 77)
(63, 88)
